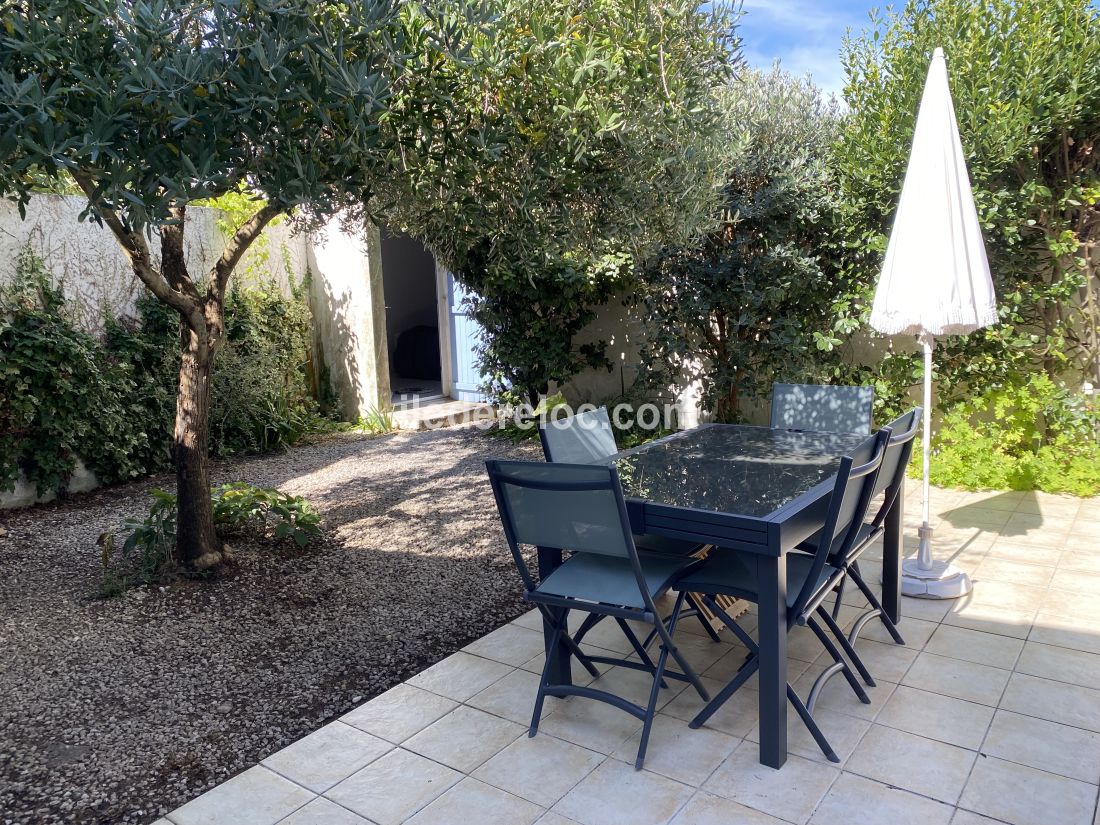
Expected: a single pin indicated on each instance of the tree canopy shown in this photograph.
(1025, 78)
(155, 104)
(577, 134)
(748, 306)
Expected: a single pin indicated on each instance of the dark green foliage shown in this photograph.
(140, 551)
(261, 399)
(1025, 78)
(530, 326)
(63, 393)
(111, 401)
(572, 138)
(751, 303)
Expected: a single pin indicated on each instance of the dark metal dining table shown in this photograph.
(757, 491)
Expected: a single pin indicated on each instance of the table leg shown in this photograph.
(560, 672)
(892, 543)
(771, 578)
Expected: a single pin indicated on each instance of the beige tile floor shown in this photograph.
(990, 713)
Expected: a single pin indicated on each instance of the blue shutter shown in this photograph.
(465, 337)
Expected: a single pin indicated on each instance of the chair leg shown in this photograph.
(811, 725)
(654, 692)
(876, 609)
(839, 596)
(823, 637)
(639, 648)
(540, 696)
(847, 647)
(666, 639)
(698, 615)
(582, 657)
(590, 621)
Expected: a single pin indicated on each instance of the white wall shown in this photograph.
(85, 260)
(349, 316)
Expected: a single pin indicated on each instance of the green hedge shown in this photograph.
(111, 399)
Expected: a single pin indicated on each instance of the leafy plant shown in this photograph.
(377, 420)
(752, 302)
(239, 506)
(1033, 436)
(141, 550)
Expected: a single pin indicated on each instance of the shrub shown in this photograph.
(141, 550)
(753, 301)
(111, 401)
(61, 394)
(1025, 78)
(1032, 436)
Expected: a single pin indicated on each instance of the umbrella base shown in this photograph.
(943, 581)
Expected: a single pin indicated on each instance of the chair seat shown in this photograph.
(730, 574)
(667, 546)
(593, 577)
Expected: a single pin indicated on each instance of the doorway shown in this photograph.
(412, 319)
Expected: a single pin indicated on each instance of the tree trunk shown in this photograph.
(197, 545)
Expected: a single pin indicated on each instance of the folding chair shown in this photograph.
(580, 508)
(895, 461)
(586, 438)
(810, 579)
(822, 408)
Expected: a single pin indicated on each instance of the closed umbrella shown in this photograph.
(935, 280)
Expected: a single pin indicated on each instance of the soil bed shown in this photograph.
(120, 710)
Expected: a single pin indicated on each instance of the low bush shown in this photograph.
(140, 551)
(1034, 436)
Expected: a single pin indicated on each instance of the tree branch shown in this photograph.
(137, 251)
(237, 246)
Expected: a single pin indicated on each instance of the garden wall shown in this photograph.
(623, 328)
(95, 275)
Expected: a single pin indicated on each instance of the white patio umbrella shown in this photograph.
(935, 280)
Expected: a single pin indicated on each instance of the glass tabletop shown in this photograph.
(750, 471)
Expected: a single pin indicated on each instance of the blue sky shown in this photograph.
(804, 35)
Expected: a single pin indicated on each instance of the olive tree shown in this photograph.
(1025, 77)
(752, 300)
(578, 135)
(151, 105)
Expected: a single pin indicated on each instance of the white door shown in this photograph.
(465, 337)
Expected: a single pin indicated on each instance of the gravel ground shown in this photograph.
(121, 710)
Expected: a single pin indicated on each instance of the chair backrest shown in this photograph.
(823, 408)
(848, 504)
(903, 433)
(576, 507)
(578, 439)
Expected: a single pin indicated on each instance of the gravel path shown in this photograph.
(121, 710)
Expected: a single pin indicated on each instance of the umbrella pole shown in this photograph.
(924, 557)
(924, 577)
